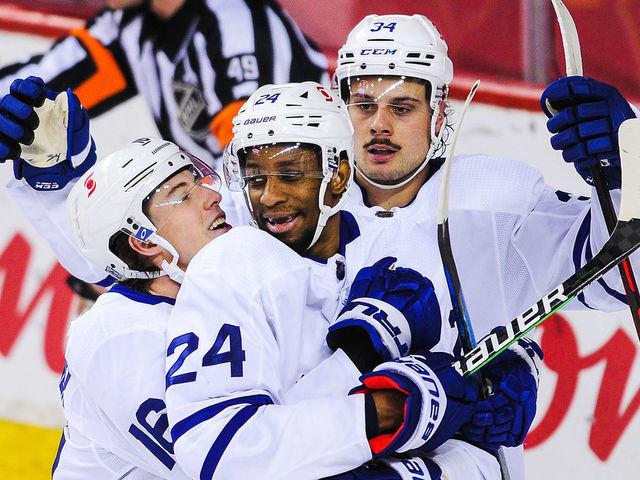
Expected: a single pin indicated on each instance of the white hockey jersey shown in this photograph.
(514, 237)
(112, 391)
(245, 337)
(247, 325)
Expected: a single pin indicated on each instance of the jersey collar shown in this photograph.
(349, 231)
(141, 297)
(434, 166)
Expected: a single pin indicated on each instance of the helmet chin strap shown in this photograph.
(326, 211)
(174, 272)
(433, 147)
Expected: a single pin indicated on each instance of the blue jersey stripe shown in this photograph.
(57, 459)
(166, 459)
(222, 441)
(186, 424)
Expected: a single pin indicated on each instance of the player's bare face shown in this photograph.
(187, 216)
(392, 121)
(283, 184)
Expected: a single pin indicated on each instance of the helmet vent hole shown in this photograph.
(413, 55)
(392, 66)
(170, 164)
(425, 64)
(363, 66)
(348, 55)
(250, 135)
(313, 124)
(135, 226)
(129, 220)
(271, 132)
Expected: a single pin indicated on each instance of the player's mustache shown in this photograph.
(381, 141)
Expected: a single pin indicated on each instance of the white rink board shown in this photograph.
(575, 443)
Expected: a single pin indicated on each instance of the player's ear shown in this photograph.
(341, 176)
(441, 114)
(145, 249)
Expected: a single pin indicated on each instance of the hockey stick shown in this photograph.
(458, 304)
(624, 240)
(573, 64)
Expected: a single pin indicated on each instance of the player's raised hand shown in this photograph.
(391, 311)
(505, 417)
(438, 401)
(45, 133)
(584, 116)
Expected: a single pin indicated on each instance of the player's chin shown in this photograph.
(383, 174)
(216, 232)
(292, 238)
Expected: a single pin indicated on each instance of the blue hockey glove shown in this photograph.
(438, 401)
(389, 313)
(585, 115)
(504, 419)
(46, 135)
(414, 468)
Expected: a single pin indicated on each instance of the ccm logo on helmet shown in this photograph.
(378, 51)
(251, 121)
(90, 185)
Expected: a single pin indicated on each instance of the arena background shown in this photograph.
(588, 423)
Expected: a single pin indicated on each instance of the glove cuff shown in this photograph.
(414, 468)
(387, 327)
(424, 408)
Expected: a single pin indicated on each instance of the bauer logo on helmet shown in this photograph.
(251, 121)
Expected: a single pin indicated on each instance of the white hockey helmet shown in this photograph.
(398, 45)
(109, 199)
(296, 113)
(405, 46)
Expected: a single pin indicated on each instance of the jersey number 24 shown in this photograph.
(235, 356)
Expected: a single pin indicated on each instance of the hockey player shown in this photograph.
(513, 236)
(397, 103)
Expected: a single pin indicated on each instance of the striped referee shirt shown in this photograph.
(193, 70)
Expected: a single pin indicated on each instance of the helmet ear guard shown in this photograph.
(297, 114)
